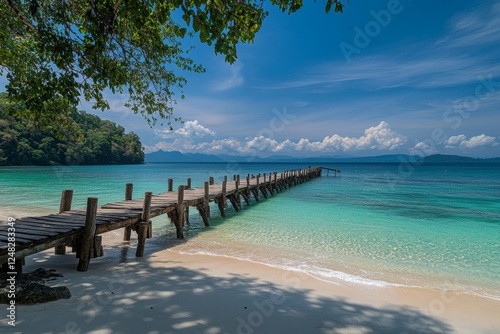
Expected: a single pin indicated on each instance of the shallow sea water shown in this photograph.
(374, 224)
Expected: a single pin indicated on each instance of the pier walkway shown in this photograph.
(82, 229)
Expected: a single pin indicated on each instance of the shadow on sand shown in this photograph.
(124, 294)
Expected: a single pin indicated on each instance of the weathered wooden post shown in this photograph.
(246, 192)
(204, 208)
(206, 200)
(263, 186)
(129, 187)
(65, 205)
(179, 224)
(221, 201)
(234, 198)
(170, 185)
(87, 241)
(255, 190)
(270, 184)
(207, 197)
(238, 198)
(142, 226)
(187, 206)
(211, 180)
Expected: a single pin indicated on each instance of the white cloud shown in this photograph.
(424, 148)
(194, 128)
(461, 141)
(473, 28)
(379, 137)
(189, 129)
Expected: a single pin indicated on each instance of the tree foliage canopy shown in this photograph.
(54, 52)
(88, 140)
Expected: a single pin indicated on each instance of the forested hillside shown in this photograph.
(90, 141)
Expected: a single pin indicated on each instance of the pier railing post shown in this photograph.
(235, 197)
(87, 240)
(206, 200)
(221, 201)
(179, 224)
(187, 206)
(204, 207)
(65, 205)
(170, 184)
(270, 184)
(255, 190)
(144, 224)
(263, 187)
(238, 198)
(211, 180)
(129, 187)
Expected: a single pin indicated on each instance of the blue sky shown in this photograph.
(384, 77)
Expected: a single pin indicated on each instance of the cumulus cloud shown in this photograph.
(379, 137)
(461, 141)
(424, 148)
(189, 129)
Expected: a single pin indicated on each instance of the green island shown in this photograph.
(89, 140)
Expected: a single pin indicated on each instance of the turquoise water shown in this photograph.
(374, 224)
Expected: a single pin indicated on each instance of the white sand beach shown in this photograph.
(169, 292)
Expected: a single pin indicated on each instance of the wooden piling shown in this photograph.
(87, 240)
(211, 180)
(170, 185)
(188, 186)
(142, 226)
(221, 201)
(179, 226)
(204, 208)
(255, 191)
(65, 205)
(237, 191)
(269, 184)
(127, 232)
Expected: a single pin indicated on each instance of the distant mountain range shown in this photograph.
(175, 156)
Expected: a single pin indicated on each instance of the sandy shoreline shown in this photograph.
(169, 292)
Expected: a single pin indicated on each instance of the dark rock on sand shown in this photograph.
(30, 288)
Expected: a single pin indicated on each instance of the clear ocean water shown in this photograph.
(434, 226)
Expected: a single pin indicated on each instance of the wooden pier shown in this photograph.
(335, 170)
(82, 229)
